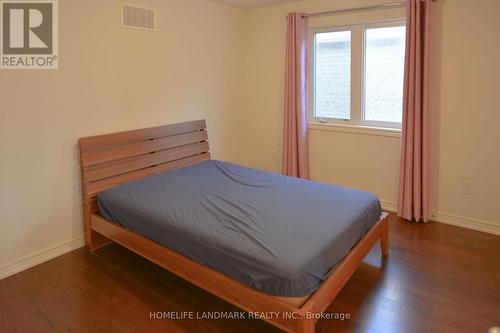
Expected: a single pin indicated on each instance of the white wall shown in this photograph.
(465, 132)
(110, 79)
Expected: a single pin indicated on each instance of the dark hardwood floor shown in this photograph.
(438, 278)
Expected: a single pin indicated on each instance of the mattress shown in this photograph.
(280, 235)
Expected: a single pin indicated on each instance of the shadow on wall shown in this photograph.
(77, 225)
(436, 63)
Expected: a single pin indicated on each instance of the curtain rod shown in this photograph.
(349, 10)
(357, 9)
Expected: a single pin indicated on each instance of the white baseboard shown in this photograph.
(39, 257)
(456, 220)
(467, 222)
(389, 206)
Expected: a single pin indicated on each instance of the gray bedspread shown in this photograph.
(277, 234)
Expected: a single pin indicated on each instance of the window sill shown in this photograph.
(366, 130)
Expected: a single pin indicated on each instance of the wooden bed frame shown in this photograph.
(112, 159)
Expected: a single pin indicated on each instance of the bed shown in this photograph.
(261, 241)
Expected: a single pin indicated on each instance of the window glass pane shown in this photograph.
(333, 75)
(384, 73)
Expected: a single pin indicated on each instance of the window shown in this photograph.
(358, 74)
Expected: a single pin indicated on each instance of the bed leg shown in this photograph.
(305, 326)
(97, 241)
(93, 240)
(384, 238)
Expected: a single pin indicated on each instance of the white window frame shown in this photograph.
(358, 56)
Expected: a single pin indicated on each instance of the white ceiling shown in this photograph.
(253, 3)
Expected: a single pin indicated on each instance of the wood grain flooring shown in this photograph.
(438, 278)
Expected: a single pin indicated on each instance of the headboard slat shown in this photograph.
(143, 161)
(138, 148)
(100, 141)
(102, 185)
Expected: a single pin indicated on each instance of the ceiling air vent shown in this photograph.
(138, 17)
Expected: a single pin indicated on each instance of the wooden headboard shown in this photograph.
(112, 159)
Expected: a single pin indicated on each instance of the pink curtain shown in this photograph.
(413, 194)
(295, 133)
